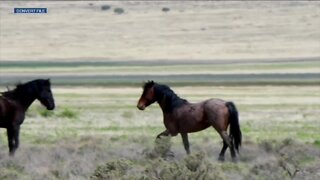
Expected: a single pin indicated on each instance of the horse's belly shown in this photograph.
(2, 123)
(189, 128)
(4, 113)
(2, 118)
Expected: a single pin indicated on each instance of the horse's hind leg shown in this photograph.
(185, 142)
(228, 141)
(232, 151)
(13, 139)
(223, 150)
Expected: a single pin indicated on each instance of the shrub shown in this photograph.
(105, 7)
(269, 170)
(161, 149)
(118, 10)
(11, 170)
(112, 170)
(192, 167)
(317, 143)
(9, 174)
(268, 146)
(194, 162)
(165, 9)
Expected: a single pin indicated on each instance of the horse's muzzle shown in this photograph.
(141, 107)
(50, 108)
(50, 105)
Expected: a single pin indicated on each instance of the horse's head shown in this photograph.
(148, 95)
(44, 94)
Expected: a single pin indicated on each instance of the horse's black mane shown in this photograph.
(14, 92)
(165, 95)
(21, 89)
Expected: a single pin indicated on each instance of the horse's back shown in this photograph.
(217, 113)
(215, 105)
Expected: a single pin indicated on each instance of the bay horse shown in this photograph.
(14, 104)
(180, 116)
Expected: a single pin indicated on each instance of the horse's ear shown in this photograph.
(18, 84)
(48, 81)
(148, 83)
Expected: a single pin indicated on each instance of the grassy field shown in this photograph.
(100, 126)
(97, 132)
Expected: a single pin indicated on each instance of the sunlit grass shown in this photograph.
(265, 112)
(94, 125)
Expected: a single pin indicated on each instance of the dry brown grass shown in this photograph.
(108, 127)
(189, 31)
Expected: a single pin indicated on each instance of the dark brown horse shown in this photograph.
(182, 117)
(15, 103)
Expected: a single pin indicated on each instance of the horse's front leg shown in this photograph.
(164, 133)
(16, 137)
(13, 139)
(10, 135)
(185, 142)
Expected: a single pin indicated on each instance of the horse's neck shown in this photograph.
(162, 106)
(167, 104)
(162, 103)
(24, 100)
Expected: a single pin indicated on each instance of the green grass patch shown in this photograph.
(317, 143)
(46, 113)
(68, 113)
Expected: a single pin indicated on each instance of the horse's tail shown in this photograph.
(235, 131)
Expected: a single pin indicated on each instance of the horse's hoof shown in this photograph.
(221, 158)
(234, 160)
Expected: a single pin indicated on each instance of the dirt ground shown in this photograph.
(190, 30)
